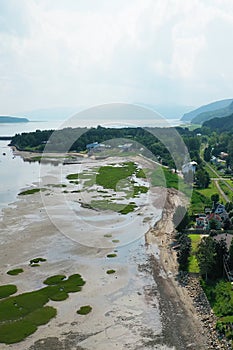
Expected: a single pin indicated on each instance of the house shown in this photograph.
(190, 166)
(201, 222)
(220, 210)
(223, 155)
(207, 210)
(213, 217)
(213, 160)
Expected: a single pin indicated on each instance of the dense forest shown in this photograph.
(220, 124)
(167, 144)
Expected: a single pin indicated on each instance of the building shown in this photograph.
(213, 217)
(201, 222)
(190, 166)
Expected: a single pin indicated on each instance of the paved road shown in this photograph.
(216, 181)
(227, 199)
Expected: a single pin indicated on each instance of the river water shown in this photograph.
(16, 174)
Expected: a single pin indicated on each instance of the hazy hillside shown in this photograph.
(219, 113)
(206, 108)
(7, 119)
(170, 111)
(220, 124)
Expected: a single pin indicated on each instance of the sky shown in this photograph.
(86, 53)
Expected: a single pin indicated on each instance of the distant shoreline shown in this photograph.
(11, 120)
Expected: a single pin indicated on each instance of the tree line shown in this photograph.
(161, 142)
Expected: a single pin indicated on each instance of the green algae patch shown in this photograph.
(54, 279)
(21, 315)
(72, 176)
(108, 176)
(112, 255)
(14, 272)
(7, 290)
(16, 331)
(32, 191)
(37, 260)
(110, 272)
(84, 310)
(117, 207)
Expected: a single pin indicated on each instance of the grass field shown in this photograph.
(193, 266)
(210, 172)
(225, 189)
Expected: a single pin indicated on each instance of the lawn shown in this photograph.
(207, 192)
(225, 189)
(198, 202)
(209, 170)
(193, 264)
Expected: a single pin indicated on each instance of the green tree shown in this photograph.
(230, 258)
(184, 251)
(221, 251)
(180, 218)
(206, 254)
(202, 178)
(215, 197)
(207, 153)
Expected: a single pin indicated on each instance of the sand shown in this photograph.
(141, 306)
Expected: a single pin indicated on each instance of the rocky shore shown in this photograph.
(204, 312)
(188, 321)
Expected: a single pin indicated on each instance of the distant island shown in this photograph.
(6, 119)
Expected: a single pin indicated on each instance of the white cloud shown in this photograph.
(73, 52)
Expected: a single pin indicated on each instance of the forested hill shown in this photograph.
(218, 113)
(168, 143)
(206, 108)
(220, 124)
(7, 119)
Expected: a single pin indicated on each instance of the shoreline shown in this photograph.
(188, 319)
(120, 302)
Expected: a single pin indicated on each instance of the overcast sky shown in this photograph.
(88, 52)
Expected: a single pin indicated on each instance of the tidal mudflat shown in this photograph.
(73, 235)
(88, 224)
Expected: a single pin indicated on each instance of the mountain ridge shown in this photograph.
(210, 107)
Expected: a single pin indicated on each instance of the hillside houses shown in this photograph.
(213, 219)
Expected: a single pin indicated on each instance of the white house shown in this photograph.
(190, 166)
